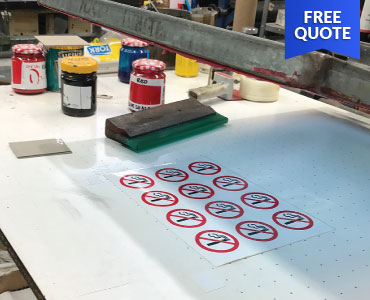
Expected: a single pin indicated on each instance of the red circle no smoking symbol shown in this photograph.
(257, 231)
(230, 183)
(260, 200)
(159, 198)
(172, 175)
(224, 209)
(136, 181)
(204, 168)
(216, 241)
(196, 191)
(186, 218)
(292, 220)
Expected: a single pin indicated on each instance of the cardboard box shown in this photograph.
(162, 3)
(280, 19)
(61, 40)
(10, 277)
(49, 23)
(25, 294)
(2, 247)
(78, 26)
(24, 22)
(203, 15)
(244, 14)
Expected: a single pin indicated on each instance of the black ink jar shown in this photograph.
(78, 87)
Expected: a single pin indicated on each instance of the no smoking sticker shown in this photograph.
(224, 209)
(216, 241)
(186, 218)
(215, 210)
(196, 191)
(136, 181)
(257, 231)
(204, 168)
(260, 200)
(230, 183)
(292, 220)
(159, 198)
(172, 175)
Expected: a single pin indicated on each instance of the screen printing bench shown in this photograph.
(75, 238)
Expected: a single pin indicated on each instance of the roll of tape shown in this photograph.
(258, 91)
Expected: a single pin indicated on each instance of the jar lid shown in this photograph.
(149, 64)
(27, 49)
(130, 42)
(79, 64)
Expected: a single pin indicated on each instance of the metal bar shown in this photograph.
(332, 102)
(272, 27)
(264, 17)
(153, 5)
(275, 5)
(253, 56)
(365, 54)
(136, 3)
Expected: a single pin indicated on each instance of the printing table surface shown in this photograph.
(76, 244)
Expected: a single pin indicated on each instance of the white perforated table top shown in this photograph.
(79, 240)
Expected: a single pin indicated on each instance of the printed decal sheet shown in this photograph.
(222, 215)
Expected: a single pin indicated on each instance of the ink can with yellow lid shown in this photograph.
(78, 85)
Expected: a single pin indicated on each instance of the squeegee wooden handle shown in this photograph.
(208, 92)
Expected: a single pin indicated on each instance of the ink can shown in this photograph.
(131, 50)
(28, 69)
(147, 84)
(78, 85)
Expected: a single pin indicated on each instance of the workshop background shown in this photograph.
(27, 22)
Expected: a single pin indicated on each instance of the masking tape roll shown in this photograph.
(258, 91)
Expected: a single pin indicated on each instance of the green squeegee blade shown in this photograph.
(174, 133)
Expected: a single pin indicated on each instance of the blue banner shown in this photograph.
(312, 25)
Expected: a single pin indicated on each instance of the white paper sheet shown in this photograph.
(219, 213)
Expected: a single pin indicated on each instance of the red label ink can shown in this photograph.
(28, 69)
(147, 84)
